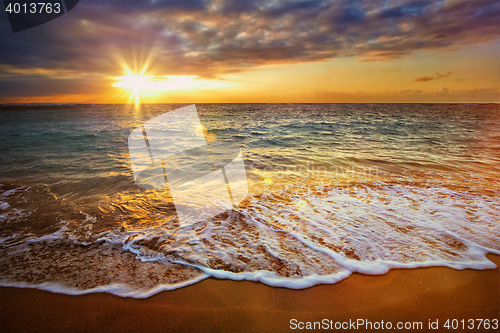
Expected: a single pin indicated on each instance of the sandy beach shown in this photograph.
(416, 295)
(250, 166)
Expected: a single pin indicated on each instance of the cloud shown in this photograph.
(213, 38)
(436, 76)
(413, 8)
(424, 78)
(440, 76)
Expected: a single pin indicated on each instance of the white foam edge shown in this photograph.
(379, 267)
(271, 279)
(117, 289)
(375, 267)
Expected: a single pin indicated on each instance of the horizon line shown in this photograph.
(73, 104)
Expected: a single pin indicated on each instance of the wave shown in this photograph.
(294, 230)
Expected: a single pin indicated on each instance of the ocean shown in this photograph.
(333, 189)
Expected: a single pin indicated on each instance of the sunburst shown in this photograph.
(137, 83)
(141, 86)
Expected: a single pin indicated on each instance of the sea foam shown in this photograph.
(297, 236)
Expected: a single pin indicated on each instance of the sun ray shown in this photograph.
(143, 87)
(135, 82)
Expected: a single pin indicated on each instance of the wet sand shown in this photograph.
(213, 305)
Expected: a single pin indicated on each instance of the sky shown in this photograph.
(264, 51)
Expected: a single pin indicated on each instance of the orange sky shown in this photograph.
(356, 52)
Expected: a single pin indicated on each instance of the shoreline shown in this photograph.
(415, 295)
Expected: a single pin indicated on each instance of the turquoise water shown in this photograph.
(333, 189)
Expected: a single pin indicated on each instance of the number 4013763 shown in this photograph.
(483, 324)
(34, 8)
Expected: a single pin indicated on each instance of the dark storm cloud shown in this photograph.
(208, 38)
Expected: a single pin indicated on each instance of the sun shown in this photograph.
(143, 87)
(137, 83)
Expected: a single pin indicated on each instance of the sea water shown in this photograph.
(333, 189)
